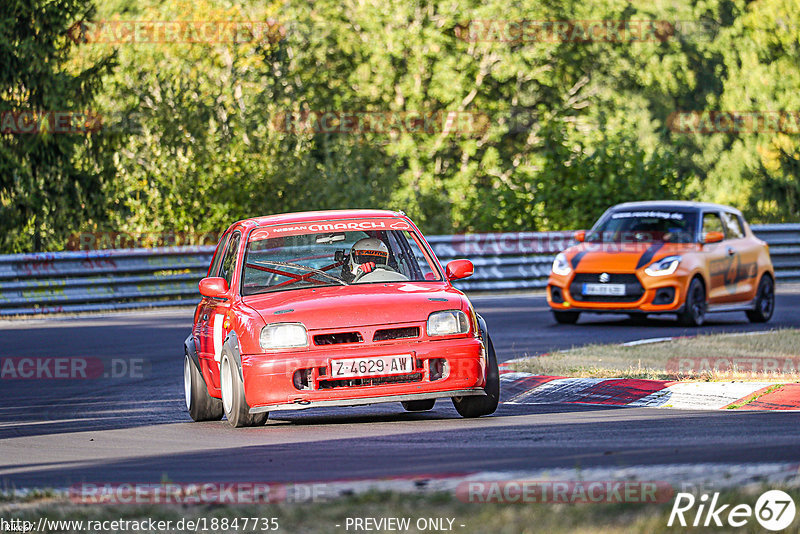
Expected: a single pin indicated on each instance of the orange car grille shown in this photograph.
(633, 288)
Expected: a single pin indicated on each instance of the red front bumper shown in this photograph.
(269, 378)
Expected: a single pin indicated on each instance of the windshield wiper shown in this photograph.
(303, 268)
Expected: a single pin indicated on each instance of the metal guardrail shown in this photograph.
(96, 280)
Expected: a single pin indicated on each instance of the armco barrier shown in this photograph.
(96, 280)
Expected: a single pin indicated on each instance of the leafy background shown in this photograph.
(188, 142)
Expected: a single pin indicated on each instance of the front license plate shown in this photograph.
(373, 366)
(616, 290)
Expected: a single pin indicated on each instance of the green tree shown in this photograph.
(50, 183)
(759, 169)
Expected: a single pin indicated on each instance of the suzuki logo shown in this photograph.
(605, 277)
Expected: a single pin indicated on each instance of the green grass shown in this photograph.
(754, 397)
(650, 361)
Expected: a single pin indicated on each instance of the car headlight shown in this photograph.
(664, 266)
(561, 265)
(283, 336)
(446, 323)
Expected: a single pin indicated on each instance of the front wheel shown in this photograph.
(233, 402)
(765, 301)
(476, 406)
(566, 317)
(418, 405)
(694, 309)
(201, 405)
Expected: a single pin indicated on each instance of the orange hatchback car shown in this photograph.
(684, 258)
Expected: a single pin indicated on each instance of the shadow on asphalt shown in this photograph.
(556, 441)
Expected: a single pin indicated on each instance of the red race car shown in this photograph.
(334, 308)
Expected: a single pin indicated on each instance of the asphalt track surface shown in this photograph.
(54, 433)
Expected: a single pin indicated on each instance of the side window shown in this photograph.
(712, 223)
(412, 262)
(229, 261)
(733, 226)
(214, 267)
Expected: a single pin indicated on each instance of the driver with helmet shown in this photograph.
(366, 255)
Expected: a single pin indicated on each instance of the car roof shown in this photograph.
(324, 215)
(675, 204)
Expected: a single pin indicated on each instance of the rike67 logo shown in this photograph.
(774, 510)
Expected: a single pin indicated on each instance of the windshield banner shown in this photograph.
(318, 227)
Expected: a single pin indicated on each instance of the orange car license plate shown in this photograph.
(372, 366)
(614, 290)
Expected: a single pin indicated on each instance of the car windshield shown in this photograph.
(335, 258)
(646, 225)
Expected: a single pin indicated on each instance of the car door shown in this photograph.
(216, 309)
(201, 313)
(717, 258)
(741, 278)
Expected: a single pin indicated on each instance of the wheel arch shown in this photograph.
(231, 343)
(483, 329)
(767, 272)
(190, 350)
(699, 275)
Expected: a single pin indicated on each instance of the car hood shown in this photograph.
(356, 305)
(621, 257)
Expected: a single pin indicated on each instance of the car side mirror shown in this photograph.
(458, 269)
(214, 287)
(580, 236)
(713, 237)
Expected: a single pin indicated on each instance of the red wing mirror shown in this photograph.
(580, 236)
(214, 287)
(458, 269)
(713, 237)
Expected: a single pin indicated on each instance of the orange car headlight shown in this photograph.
(664, 266)
(561, 265)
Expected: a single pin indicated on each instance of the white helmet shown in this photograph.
(369, 249)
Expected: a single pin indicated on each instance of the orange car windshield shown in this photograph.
(645, 226)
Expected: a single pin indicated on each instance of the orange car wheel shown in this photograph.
(566, 317)
(694, 309)
(765, 301)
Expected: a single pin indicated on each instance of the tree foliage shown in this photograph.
(567, 127)
(50, 183)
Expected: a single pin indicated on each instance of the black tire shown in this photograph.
(233, 402)
(695, 306)
(566, 317)
(418, 405)
(765, 301)
(201, 405)
(476, 406)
